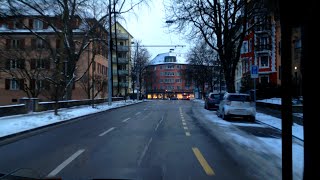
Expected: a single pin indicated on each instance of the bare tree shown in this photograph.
(201, 69)
(222, 24)
(141, 60)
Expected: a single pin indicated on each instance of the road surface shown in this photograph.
(159, 139)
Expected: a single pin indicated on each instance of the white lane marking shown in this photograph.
(188, 134)
(65, 163)
(185, 127)
(145, 109)
(107, 131)
(184, 123)
(144, 151)
(126, 120)
(155, 129)
(138, 113)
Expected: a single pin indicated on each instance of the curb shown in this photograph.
(7, 139)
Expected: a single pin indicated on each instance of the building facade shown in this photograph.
(121, 60)
(29, 60)
(164, 77)
(260, 47)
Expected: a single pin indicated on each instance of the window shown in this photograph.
(264, 79)
(15, 64)
(244, 48)
(178, 67)
(37, 24)
(161, 80)
(15, 43)
(264, 61)
(178, 80)
(14, 84)
(170, 59)
(170, 67)
(178, 87)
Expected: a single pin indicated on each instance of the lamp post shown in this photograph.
(296, 80)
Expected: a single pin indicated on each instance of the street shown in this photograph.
(159, 139)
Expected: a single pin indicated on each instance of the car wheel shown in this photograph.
(252, 118)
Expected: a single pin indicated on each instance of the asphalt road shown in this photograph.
(151, 140)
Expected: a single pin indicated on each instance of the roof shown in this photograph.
(159, 59)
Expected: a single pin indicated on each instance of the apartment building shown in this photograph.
(121, 60)
(32, 55)
(165, 78)
(259, 48)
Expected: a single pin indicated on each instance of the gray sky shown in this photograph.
(149, 26)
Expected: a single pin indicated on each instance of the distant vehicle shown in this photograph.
(173, 98)
(212, 101)
(237, 105)
(185, 97)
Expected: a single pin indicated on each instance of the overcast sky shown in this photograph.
(148, 26)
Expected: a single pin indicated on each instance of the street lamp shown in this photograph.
(296, 79)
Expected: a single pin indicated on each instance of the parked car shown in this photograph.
(212, 101)
(237, 105)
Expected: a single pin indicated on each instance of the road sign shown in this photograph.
(254, 71)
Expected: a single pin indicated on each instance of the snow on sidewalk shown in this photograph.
(18, 123)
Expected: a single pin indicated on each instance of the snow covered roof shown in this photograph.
(159, 59)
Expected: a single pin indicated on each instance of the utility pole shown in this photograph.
(109, 60)
(116, 42)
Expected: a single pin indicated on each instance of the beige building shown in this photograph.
(121, 60)
(28, 63)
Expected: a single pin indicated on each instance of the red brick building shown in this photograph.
(165, 78)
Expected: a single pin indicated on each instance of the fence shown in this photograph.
(33, 105)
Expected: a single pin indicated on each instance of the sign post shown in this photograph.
(254, 75)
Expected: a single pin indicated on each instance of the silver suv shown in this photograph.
(237, 105)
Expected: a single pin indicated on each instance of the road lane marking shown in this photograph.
(126, 120)
(107, 131)
(155, 129)
(144, 151)
(185, 127)
(184, 123)
(188, 134)
(145, 109)
(206, 167)
(138, 113)
(65, 163)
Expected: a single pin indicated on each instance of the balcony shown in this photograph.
(121, 72)
(120, 60)
(123, 48)
(262, 28)
(123, 84)
(122, 36)
(264, 48)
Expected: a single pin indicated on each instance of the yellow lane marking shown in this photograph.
(188, 134)
(206, 167)
(185, 127)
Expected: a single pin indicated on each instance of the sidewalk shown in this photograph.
(10, 125)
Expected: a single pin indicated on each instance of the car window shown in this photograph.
(239, 98)
(215, 96)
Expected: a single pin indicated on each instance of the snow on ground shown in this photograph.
(259, 144)
(18, 123)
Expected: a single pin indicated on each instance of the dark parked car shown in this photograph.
(212, 101)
